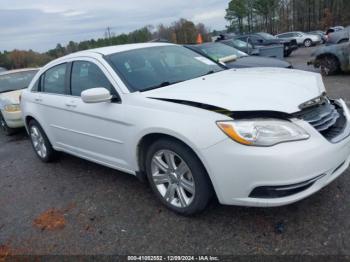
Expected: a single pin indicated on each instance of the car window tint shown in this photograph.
(54, 80)
(87, 75)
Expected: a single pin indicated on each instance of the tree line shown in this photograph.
(182, 32)
(276, 16)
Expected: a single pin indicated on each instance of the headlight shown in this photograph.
(262, 132)
(12, 108)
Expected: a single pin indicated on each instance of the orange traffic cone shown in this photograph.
(199, 39)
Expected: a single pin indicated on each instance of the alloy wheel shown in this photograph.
(173, 178)
(38, 142)
(308, 43)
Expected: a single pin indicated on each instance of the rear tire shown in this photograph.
(41, 143)
(4, 128)
(177, 177)
(329, 65)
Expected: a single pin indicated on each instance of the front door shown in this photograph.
(95, 131)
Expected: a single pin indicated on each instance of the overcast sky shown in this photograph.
(41, 24)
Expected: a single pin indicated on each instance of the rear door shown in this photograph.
(51, 100)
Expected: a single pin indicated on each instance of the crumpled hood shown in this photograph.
(249, 89)
(9, 98)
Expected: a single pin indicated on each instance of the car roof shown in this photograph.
(119, 48)
(18, 71)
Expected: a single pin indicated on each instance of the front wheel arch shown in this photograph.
(147, 140)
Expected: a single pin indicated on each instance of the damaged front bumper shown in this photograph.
(278, 175)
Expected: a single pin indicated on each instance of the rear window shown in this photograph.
(217, 51)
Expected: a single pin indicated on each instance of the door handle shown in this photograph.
(38, 100)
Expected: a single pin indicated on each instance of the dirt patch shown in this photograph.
(52, 219)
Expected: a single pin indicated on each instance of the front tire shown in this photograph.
(41, 143)
(177, 177)
(308, 43)
(4, 128)
(329, 65)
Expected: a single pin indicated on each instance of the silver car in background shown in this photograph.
(303, 39)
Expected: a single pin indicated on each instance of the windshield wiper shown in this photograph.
(163, 84)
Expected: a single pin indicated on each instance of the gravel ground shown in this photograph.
(77, 207)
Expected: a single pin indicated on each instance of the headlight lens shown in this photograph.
(262, 132)
(12, 108)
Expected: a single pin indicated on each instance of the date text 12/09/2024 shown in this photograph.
(173, 258)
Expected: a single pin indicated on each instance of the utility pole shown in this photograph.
(108, 32)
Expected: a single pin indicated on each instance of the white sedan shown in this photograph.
(253, 137)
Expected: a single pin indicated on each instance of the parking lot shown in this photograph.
(76, 207)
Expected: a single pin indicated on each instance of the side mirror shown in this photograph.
(96, 95)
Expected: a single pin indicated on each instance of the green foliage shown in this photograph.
(235, 13)
(21, 59)
(275, 16)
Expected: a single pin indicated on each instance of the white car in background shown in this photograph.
(253, 137)
(11, 85)
(302, 38)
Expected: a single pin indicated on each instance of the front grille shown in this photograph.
(327, 118)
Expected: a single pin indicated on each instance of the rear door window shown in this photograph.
(54, 80)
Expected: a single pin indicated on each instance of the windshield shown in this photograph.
(267, 36)
(149, 68)
(16, 81)
(217, 51)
